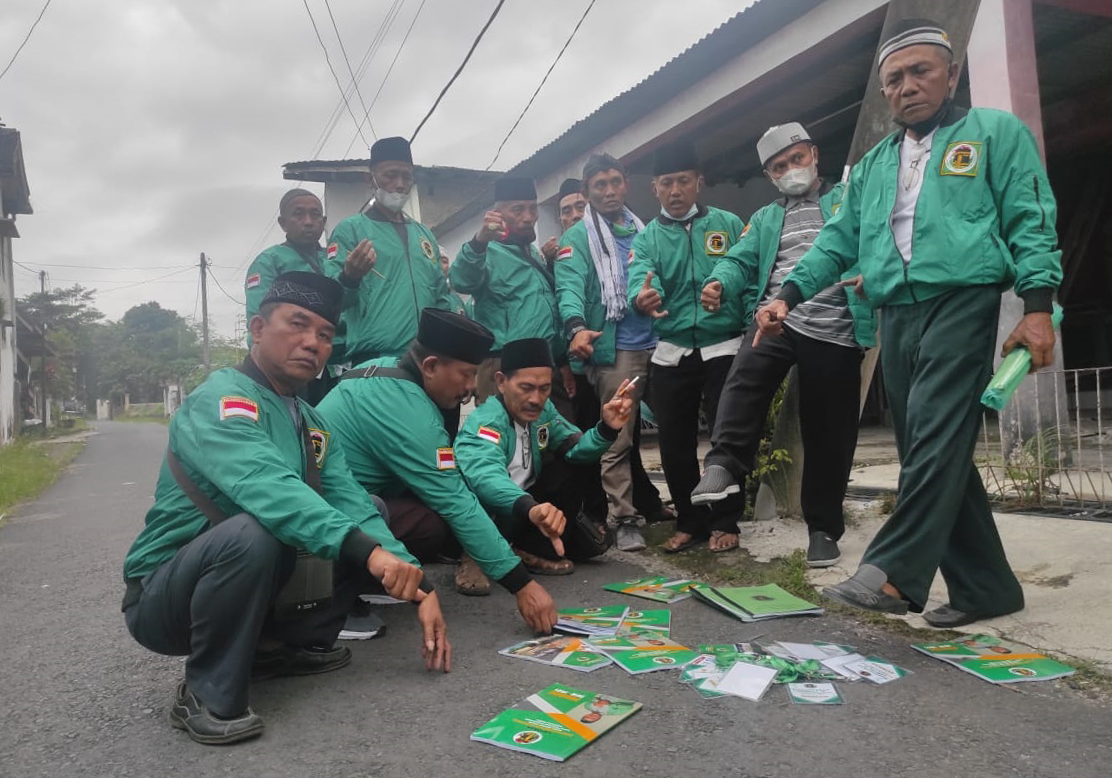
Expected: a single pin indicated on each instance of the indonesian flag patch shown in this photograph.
(333, 250)
(565, 253)
(445, 459)
(254, 280)
(231, 407)
(491, 434)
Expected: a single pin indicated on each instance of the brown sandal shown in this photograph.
(674, 546)
(470, 580)
(538, 565)
(716, 541)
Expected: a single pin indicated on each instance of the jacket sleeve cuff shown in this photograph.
(1037, 300)
(790, 294)
(348, 281)
(607, 432)
(522, 506)
(574, 324)
(357, 547)
(478, 247)
(426, 585)
(517, 579)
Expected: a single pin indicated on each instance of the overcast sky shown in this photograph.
(156, 129)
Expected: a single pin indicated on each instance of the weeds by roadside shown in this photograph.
(28, 468)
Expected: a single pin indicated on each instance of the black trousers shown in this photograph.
(829, 401)
(562, 484)
(678, 393)
(646, 498)
(212, 601)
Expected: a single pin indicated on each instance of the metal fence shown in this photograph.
(1050, 448)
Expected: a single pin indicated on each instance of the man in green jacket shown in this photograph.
(386, 415)
(456, 304)
(943, 215)
(301, 217)
(406, 276)
(824, 340)
(669, 261)
(524, 460)
(513, 289)
(612, 338)
(249, 481)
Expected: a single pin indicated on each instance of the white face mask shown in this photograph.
(694, 210)
(391, 201)
(798, 180)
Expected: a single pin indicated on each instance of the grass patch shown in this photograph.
(28, 468)
(144, 420)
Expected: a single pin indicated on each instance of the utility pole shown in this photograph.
(205, 312)
(42, 354)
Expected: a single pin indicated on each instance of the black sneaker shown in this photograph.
(190, 714)
(822, 550)
(716, 485)
(362, 623)
(298, 660)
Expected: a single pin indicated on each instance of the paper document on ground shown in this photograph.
(567, 720)
(747, 680)
(995, 660)
(876, 670)
(560, 650)
(838, 665)
(659, 588)
(638, 655)
(591, 621)
(650, 623)
(814, 694)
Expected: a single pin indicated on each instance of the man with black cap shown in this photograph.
(944, 214)
(611, 337)
(386, 415)
(512, 288)
(670, 258)
(406, 275)
(570, 204)
(301, 217)
(524, 461)
(825, 341)
(249, 485)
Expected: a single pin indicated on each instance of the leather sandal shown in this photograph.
(672, 546)
(716, 541)
(538, 565)
(470, 580)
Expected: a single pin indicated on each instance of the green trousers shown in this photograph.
(937, 359)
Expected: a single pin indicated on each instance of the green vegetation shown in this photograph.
(29, 467)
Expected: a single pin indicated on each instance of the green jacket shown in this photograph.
(395, 442)
(679, 261)
(284, 258)
(486, 445)
(746, 268)
(457, 304)
(985, 215)
(406, 278)
(579, 295)
(513, 292)
(235, 438)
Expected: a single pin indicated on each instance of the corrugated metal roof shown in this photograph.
(735, 35)
(13, 177)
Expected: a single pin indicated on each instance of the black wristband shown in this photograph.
(477, 246)
(522, 506)
(607, 432)
(517, 579)
(790, 294)
(358, 547)
(1038, 300)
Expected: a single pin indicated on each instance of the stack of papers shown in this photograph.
(559, 650)
(565, 721)
(653, 623)
(855, 667)
(755, 603)
(638, 655)
(598, 622)
(660, 589)
(995, 660)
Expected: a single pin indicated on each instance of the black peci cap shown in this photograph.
(454, 336)
(311, 291)
(526, 353)
(391, 150)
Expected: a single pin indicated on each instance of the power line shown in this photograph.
(354, 80)
(25, 39)
(196, 300)
(225, 291)
(389, 70)
(145, 281)
(459, 70)
(29, 270)
(328, 61)
(103, 267)
(540, 86)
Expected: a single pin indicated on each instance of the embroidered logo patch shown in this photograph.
(254, 280)
(426, 246)
(542, 437)
(333, 250)
(320, 444)
(716, 243)
(835, 208)
(565, 253)
(491, 434)
(445, 459)
(231, 407)
(962, 158)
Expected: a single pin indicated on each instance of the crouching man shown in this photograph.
(249, 489)
(525, 462)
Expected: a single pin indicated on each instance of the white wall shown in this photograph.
(8, 399)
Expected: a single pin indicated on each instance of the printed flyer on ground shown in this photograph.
(591, 621)
(559, 650)
(638, 655)
(995, 660)
(652, 623)
(564, 722)
(660, 589)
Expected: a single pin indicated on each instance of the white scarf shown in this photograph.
(604, 255)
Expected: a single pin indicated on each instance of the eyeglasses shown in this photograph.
(914, 171)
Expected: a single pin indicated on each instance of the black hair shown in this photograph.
(600, 163)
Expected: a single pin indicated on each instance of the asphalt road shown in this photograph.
(80, 698)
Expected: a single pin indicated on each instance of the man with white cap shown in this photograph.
(824, 340)
(944, 214)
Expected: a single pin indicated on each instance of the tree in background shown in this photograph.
(70, 319)
(148, 347)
